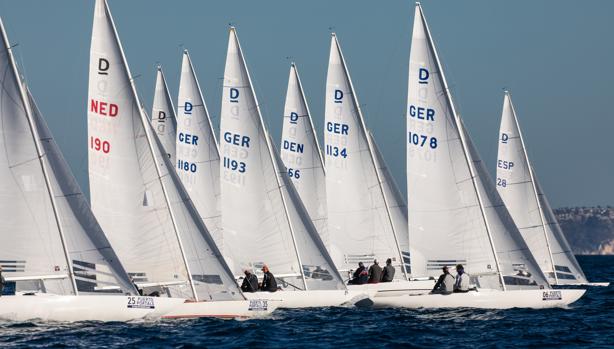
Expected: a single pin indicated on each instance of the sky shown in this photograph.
(555, 58)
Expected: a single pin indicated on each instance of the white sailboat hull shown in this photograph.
(255, 307)
(313, 298)
(483, 298)
(396, 287)
(84, 308)
(589, 284)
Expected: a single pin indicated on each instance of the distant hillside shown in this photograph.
(589, 230)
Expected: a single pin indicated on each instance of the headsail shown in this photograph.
(301, 154)
(49, 238)
(455, 213)
(359, 219)
(198, 158)
(163, 117)
(263, 219)
(136, 194)
(528, 206)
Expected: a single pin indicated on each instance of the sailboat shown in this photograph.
(139, 200)
(163, 118)
(263, 219)
(366, 219)
(456, 215)
(301, 155)
(56, 261)
(529, 207)
(198, 158)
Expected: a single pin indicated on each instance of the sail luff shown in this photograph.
(271, 157)
(460, 128)
(147, 127)
(313, 130)
(200, 94)
(531, 176)
(40, 155)
(364, 131)
(159, 122)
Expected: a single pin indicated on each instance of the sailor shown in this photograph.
(462, 280)
(1, 281)
(375, 273)
(360, 276)
(139, 290)
(250, 282)
(445, 283)
(388, 272)
(268, 280)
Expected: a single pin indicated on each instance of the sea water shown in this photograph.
(588, 322)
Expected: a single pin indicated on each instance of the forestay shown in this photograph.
(49, 239)
(360, 224)
(455, 213)
(263, 219)
(198, 159)
(528, 206)
(301, 154)
(135, 192)
(163, 117)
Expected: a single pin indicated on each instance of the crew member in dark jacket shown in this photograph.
(268, 280)
(388, 272)
(375, 272)
(360, 276)
(250, 282)
(445, 283)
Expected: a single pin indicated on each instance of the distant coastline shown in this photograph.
(589, 230)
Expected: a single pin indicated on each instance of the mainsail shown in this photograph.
(455, 213)
(49, 238)
(198, 159)
(360, 221)
(136, 195)
(163, 117)
(263, 218)
(301, 154)
(529, 207)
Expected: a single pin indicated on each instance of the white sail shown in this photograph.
(528, 206)
(163, 117)
(301, 154)
(49, 238)
(264, 221)
(360, 224)
(455, 213)
(396, 203)
(198, 159)
(136, 194)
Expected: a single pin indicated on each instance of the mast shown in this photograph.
(313, 131)
(363, 128)
(271, 156)
(40, 155)
(151, 149)
(461, 132)
(533, 186)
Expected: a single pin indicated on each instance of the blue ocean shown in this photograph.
(587, 323)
